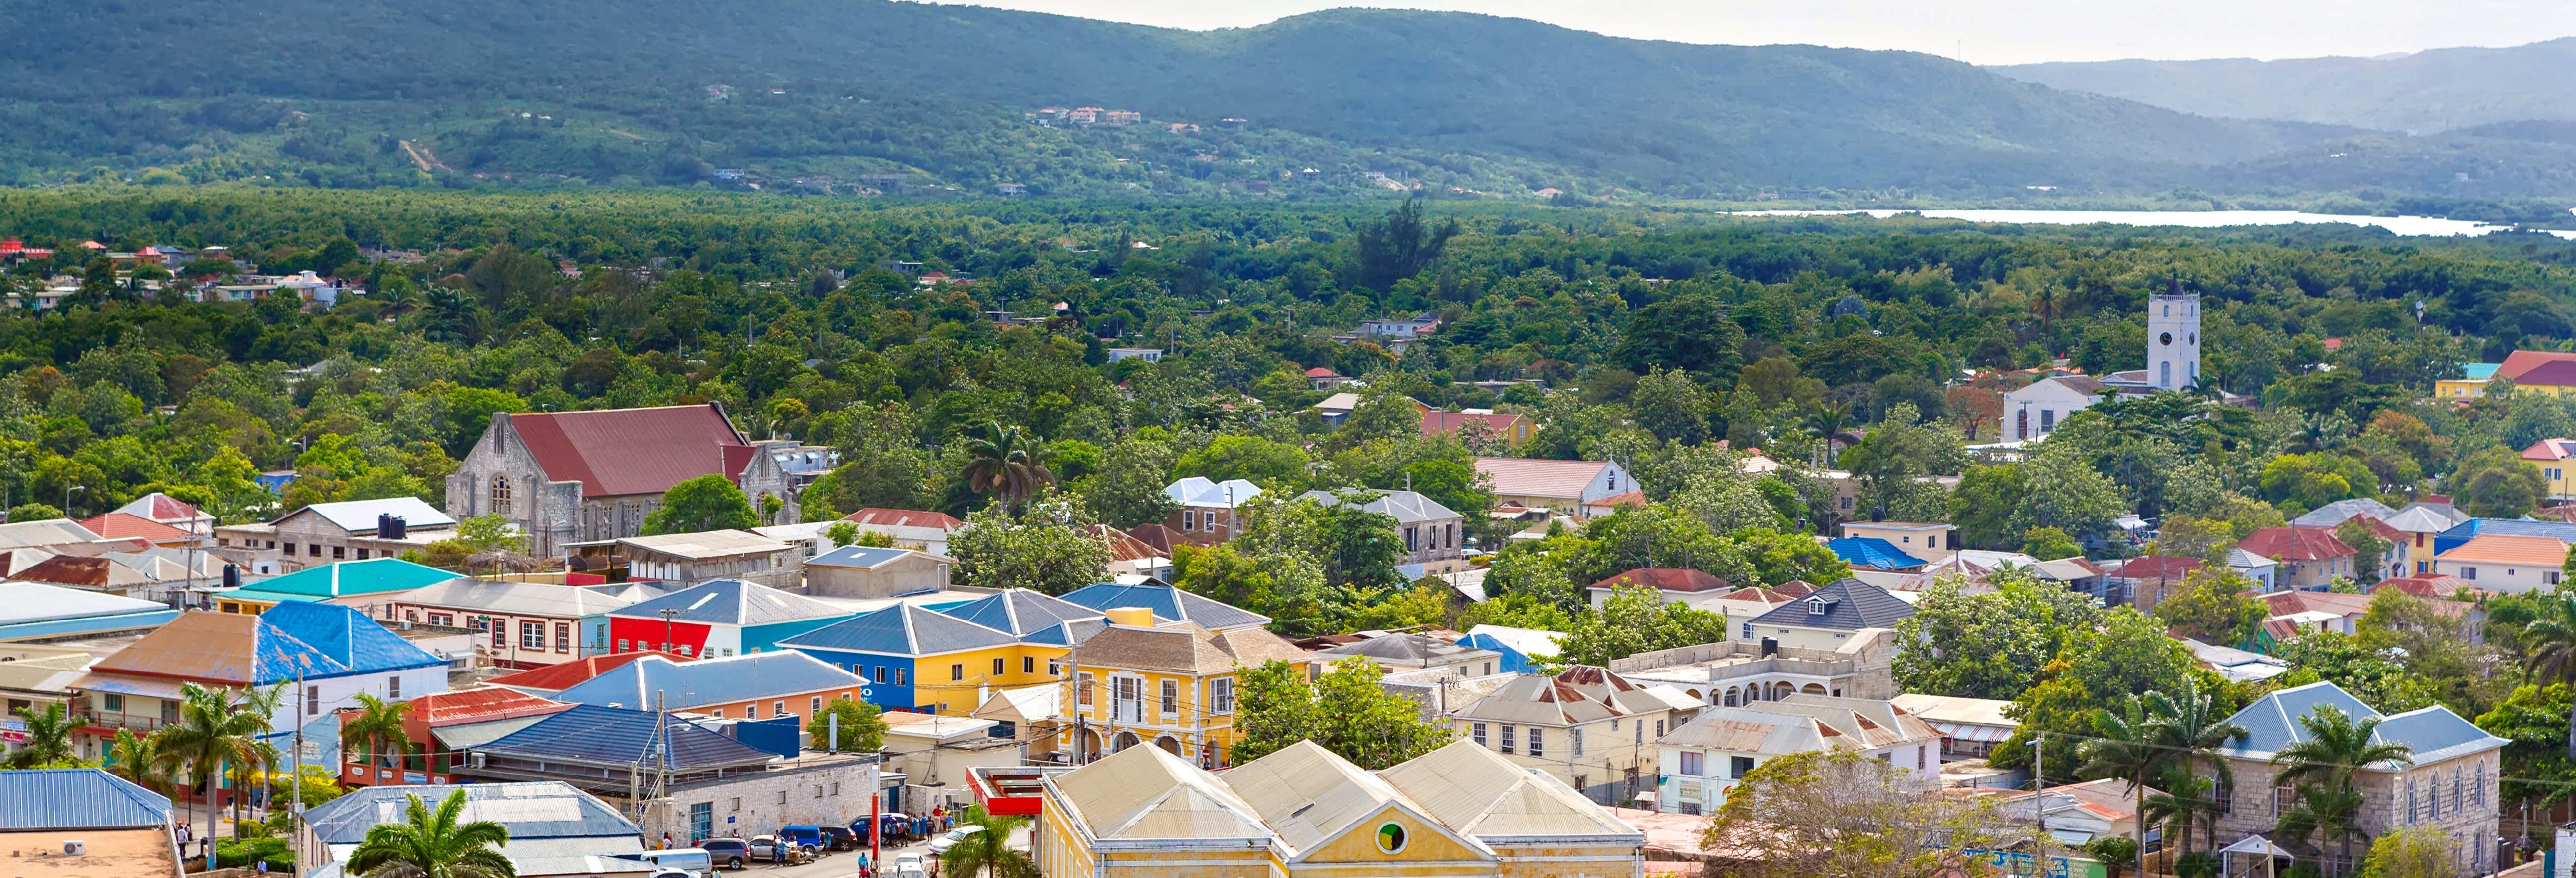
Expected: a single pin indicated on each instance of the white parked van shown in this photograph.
(692, 860)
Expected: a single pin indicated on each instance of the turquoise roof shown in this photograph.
(370, 576)
(2480, 371)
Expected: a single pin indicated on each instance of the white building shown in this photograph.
(1705, 758)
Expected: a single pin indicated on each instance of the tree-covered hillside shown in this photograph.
(821, 94)
(2436, 90)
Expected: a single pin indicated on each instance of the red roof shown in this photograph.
(478, 705)
(2158, 567)
(2539, 367)
(1447, 423)
(2550, 449)
(162, 507)
(1666, 579)
(120, 525)
(556, 678)
(905, 518)
(2424, 585)
(1126, 547)
(1157, 536)
(617, 452)
(1321, 372)
(2295, 544)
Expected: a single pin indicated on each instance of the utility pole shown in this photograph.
(2038, 808)
(295, 783)
(667, 613)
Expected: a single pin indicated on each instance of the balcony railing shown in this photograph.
(142, 723)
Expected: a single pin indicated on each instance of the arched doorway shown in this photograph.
(1169, 744)
(1731, 696)
(1813, 689)
(1124, 741)
(1090, 745)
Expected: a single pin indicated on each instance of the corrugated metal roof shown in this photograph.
(732, 602)
(618, 452)
(2271, 723)
(1308, 795)
(565, 675)
(518, 598)
(1407, 507)
(901, 629)
(620, 736)
(686, 685)
(1483, 795)
(1413, 648)
(22, 602)
(1199, 491)
(359, 516)
(46, 532)
(1020, 612)
(2340, 511)
(76, 798)
(467, 736)
(343, 578)
(706, 544)
(531, 811)
(866, 557)
(1143, 793)
(348, 637)
(1169, 605)
(1529, 477)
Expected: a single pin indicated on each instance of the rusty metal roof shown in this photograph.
(616, 452)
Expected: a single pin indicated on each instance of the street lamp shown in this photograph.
(67, 497)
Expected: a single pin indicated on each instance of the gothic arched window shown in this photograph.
(500, 494)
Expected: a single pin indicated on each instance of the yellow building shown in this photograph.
(948, 662)
(2556, 461)
(2471, 385)
(1303, 811)
(1170, 685)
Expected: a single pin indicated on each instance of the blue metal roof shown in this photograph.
(686, 685)
(2271, 724)
(344, 635)
(618, 736)
(902, 629)
(76, 798)
(732, 602)
(540, 809)
(354, 577)
(1872, 552)
(2516, 527)
(1019, 611)
(1168, 603)
(856, 556)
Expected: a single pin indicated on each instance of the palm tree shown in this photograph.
(2317, 810)
(2193, 728)
(212, 730)
(2182, 805)
(378, 725)
(429, 844)
(1825, 421)
(2128, 749)
(49, 738)
(137, 758)
(261, 703)
(2549, 649)
(2337, 747)
(1007, 463)
(988, 851)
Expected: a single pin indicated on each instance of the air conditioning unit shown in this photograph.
(476, 759)
(406, 624)
(75, 847)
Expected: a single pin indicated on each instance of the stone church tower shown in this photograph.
(2173, 339)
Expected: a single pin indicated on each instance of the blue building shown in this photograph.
(893, 647)
(2512, 527)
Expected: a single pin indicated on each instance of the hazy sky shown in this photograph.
(1978, 31)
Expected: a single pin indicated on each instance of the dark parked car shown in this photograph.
(840, 838)
(729, 853)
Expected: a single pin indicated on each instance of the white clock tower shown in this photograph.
(2173, 339)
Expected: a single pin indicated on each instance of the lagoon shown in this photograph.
(2198, 219)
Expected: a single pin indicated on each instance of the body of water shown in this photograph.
(2198, 219)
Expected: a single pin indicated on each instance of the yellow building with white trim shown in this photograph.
(1303, 811)
(1170, 686)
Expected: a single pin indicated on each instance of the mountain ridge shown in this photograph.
(2430, 91)
(635, 92)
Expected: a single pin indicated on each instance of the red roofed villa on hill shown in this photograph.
(567, 477)
(2310, 557)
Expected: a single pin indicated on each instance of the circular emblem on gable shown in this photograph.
(1390, 838)
(2166, 338)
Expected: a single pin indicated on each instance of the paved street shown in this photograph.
(846, 863)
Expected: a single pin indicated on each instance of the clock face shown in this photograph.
(2166, 338)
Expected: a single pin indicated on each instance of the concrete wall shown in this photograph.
(907, 575)
(832, 794)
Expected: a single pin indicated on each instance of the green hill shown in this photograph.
(2429, 91)
(824, 94)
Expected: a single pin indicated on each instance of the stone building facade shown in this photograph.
(2450, 786)
(570, 477)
